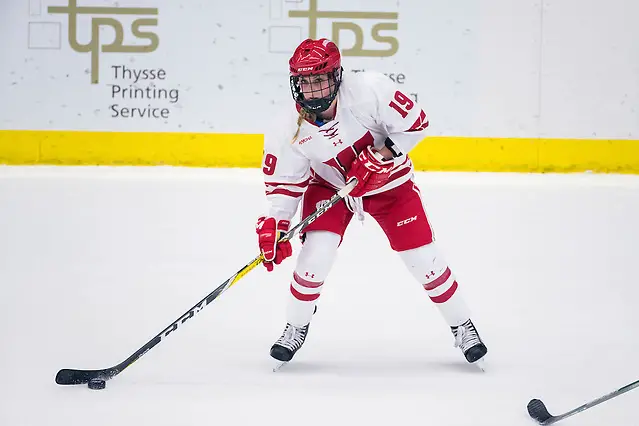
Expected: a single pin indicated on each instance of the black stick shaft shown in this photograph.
(75, 377)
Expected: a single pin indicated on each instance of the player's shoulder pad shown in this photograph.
(364, 82)
(365, 87)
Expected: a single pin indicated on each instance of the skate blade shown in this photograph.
(481, 364)
(278, 366)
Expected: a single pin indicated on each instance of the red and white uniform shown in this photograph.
(369, 110)
(309, 162)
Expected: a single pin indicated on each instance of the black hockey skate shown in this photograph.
(468, 340)
(289, 343)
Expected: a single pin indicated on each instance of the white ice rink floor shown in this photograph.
(96, 261)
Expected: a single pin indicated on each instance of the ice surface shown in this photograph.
(96, 261)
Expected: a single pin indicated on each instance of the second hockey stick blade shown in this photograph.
(538, 411)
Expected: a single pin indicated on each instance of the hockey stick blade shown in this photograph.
(76, 377)
(539, 412)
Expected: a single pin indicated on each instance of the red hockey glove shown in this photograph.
(269, 230)
(371, 170)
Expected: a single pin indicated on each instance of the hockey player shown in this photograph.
(349, 125)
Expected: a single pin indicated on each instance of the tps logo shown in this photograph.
(376, 28)
(95, 46)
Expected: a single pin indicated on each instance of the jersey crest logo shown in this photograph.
(331, 132)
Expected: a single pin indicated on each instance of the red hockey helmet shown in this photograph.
(312, 58)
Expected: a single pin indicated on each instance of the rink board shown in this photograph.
(25, 147)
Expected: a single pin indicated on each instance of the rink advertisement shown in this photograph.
(79, 73)
(129, 91)
(141, 86)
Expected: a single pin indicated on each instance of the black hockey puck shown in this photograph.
(96, 384)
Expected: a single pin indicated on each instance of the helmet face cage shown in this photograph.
(312, 100)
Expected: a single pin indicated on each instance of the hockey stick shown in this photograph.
(538, 411)
(76, 377)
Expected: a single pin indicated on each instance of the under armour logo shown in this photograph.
(306, 274)
(339, 142)
(430, 274)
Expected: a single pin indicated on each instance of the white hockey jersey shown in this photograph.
(370, 109)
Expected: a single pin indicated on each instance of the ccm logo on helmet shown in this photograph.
(405, 221)
(304, 69)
